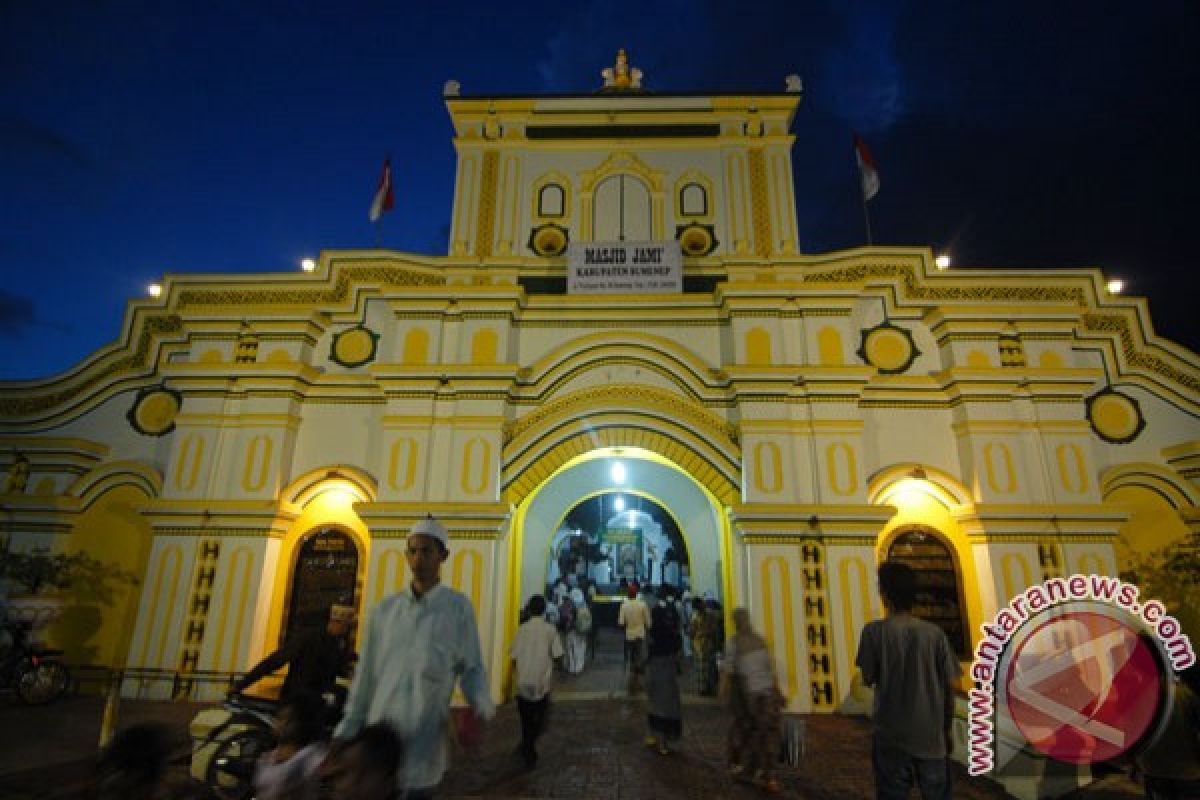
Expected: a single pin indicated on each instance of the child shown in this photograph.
(368, 764)
(290, 770)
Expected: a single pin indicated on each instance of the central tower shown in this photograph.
(622, 164)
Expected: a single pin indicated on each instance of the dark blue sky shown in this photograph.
(138, 138)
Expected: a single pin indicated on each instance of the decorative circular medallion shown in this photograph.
(696, 240)
(154, 410)
(1115, 417)
(548, 240)
(888, 348)
(354, 347)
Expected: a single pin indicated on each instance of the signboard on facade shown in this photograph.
(624, 267)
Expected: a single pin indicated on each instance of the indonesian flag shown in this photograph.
(868, 173)
(384, 199)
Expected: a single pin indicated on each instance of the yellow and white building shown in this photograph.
(253, 440)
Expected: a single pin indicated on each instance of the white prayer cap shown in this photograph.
(433, 529)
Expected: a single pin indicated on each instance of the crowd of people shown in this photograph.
(391, 738)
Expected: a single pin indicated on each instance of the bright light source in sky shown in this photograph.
(308, 265)
(1115, 286)
(619, 503)
(618, 472)
(154, 289)
(942, 261)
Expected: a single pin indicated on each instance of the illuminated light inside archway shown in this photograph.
(618, 472)
(619, 503)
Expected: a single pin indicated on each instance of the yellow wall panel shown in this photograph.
(416, 347)
(402, 463)
(776, 585)
(258, 463)
(998, 464)
(842, 468)
(1072, 469)
(476, 464)
(188, 461)
(829, 347)
(483, 346)
(768, 469)
(758, 347)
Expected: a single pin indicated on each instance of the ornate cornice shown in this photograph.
(627, 396)
(25, 405)
(347, 277)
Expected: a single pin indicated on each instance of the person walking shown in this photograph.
(750, 689)
(913, 670)
(534, 650)
(664, 713)
(418, 642)
(634, 617)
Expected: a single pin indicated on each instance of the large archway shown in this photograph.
(698, 515)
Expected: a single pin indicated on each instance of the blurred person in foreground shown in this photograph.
(366, 767)
(750, 689)
(419, 642)
(289, 771)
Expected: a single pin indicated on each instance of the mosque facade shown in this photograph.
(625, 368)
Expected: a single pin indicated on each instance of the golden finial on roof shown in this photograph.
(621, 76)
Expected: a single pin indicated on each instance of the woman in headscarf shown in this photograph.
(749, 687)
(664, 709)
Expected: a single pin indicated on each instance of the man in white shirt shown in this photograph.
(419, 642)
(634, 617)
(534, 649)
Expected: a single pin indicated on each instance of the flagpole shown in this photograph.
(867, 220)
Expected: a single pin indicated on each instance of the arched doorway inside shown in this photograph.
(615, 516)
(939, 589)
(616, 538)
(325, 572)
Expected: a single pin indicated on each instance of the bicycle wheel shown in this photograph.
(42, 683)
(230, 773)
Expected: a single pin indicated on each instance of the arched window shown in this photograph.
(552, 201)
(693, 200)
(326, 572)
(939, 595)
(621, 210)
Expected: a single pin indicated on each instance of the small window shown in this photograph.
(693, 201)
(551, 200)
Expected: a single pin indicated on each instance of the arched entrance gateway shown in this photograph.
(626, 508)
(614, 516)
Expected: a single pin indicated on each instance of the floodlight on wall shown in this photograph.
(942, 261)
(308, 264)
(1115, 286)
(154, 289)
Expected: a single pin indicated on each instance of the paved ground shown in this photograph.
(593, 749)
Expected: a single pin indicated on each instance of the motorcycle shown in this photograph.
(36, 674)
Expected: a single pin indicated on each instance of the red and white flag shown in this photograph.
(868, 173)
(384, 199)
